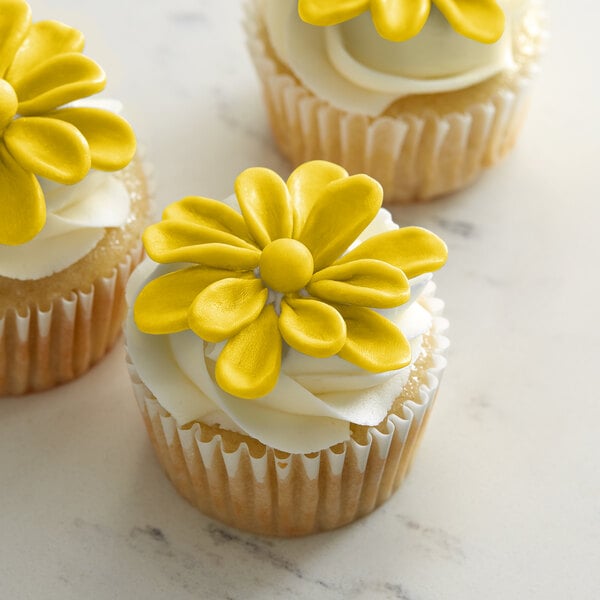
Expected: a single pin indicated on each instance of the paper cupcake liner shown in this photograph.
(415, 158)
(280, 494)
(43, 346)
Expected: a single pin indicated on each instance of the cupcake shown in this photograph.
(286, 347)
(420, 95)
(73, 197)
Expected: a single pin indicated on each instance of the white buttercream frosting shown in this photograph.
(315, 400)
(352, 67)
(77, 216)
(76, 220)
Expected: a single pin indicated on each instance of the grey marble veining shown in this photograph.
(504, 499)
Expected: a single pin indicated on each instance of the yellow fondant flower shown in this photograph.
(400, 20)
(41, 70)
(281, 270)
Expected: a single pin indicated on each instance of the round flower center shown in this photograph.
(8, 103)
(286, 265)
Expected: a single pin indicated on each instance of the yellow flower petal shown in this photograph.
(413, 249)
(8, 104)
(372, 342)
(218, 256)
(265, 203)
(249, 365)
(226, 307)
(210, 213)
(109, 136)
(307, 183)
(15, 19)
(163, 304)
(341, 213)
(312, 327)
(399, 21)
(175, 241)
(319, 12)
(372, 283)
(22, 206)
(57, 81)
(44, 40)
(482, 20)
(53, 149)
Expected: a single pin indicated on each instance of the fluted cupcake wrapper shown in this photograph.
(43, 346)
(415, 158)
(276, 493)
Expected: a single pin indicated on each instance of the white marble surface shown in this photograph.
(504, 501)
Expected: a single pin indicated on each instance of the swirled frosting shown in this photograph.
(77, 217)
(315, 399)
(352, 67)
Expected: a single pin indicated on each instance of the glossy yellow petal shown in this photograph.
(312, 327)
(340, 214)
(8, 104)
(371, 283)
(163, 304)
(481, 20)
(15, 19)
(226, 307)
(307, 183)
(372, 342)
(210, 213)
(320, 12)
(249, 365)
(49, 148)
(22, 206)
(399, 21)
(176, 241)
(44, 40)
(265, 203)
(413, 249)
(218, 256)
(109, 136)
(57, 81)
